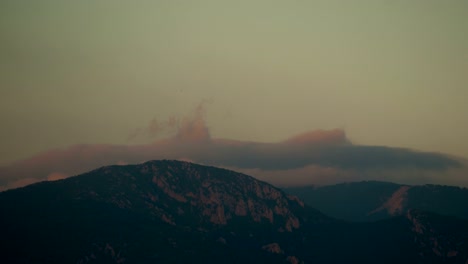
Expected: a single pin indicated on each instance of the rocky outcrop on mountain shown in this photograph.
(175, 191)
(430, 236)
(273, 248)
(396, 203)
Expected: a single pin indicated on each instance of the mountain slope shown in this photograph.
(111, 210)
(179, 212)
(370, 201)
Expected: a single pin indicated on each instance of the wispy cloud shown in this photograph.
(189, 128)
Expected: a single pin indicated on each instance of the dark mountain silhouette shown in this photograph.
(370, 201)
(180, 212)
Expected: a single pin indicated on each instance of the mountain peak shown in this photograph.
(221, 195)
(185, 193)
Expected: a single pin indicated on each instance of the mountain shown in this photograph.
(179, 212)
(157, 211)
(370, 201)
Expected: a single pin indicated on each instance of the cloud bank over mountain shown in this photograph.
(315, 157)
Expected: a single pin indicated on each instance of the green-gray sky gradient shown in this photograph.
(389, 72)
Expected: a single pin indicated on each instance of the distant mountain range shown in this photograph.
(180, 212)
(370, 201)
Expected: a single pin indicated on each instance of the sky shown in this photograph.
(387, 73)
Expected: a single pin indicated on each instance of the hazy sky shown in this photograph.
(391, 73)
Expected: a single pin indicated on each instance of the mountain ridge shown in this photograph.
(373, 200)
(176, 212)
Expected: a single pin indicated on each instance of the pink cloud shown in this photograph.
(314, 157)
(55, 176)
(191, 128)
(19, 183)
(319, 136)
